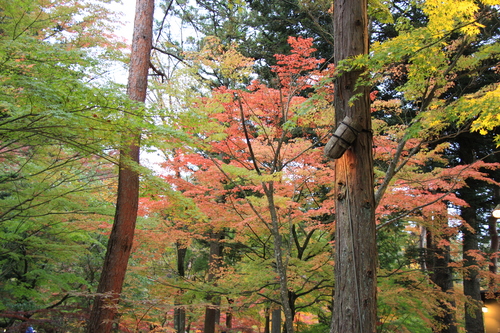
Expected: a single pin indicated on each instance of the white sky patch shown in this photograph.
(126, 27)
(125, 11)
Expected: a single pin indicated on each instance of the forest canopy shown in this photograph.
(237, 204)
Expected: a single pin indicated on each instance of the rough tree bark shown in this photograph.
(122, 234)
(354, 305)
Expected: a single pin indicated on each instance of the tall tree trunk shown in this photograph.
(354, 305)
(472, 289)
(122, 234)
(441, 275)
(493, 231)
(179, 311)
(212, 313)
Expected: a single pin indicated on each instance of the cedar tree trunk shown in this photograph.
(441, 274)
(471, 281)
(122, 234)
(354, 304)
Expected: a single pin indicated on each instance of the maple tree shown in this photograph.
(50, 206)
(55, 126)
(250, 162)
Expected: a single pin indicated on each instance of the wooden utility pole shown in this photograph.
(354, 304)
(122, 234)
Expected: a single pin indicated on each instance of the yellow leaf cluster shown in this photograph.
(224, 58)
(447, 15)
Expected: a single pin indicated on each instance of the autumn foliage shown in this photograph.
(237, 219)
(255, 138)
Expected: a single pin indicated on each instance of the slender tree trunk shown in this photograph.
(212, 313)
(292, 297)
(493, 231)
(354, 305)
(122, 234)
(229, 314)
(179, 311)
(281, 268)
(423, 249)
(267, 320)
